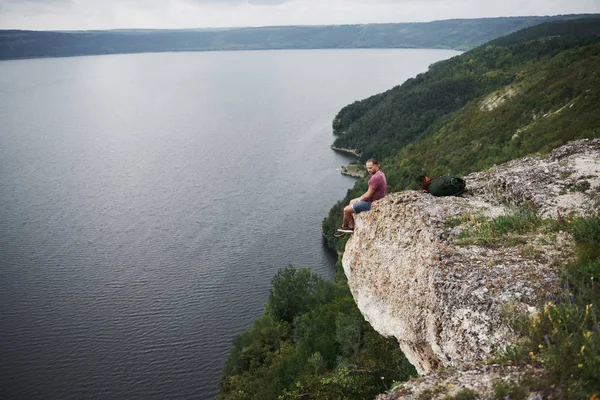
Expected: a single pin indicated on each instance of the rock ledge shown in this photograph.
(448, 304)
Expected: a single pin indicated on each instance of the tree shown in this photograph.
(294, 292)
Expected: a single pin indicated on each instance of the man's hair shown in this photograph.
(373, 161)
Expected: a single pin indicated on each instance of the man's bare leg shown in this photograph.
(348, 217)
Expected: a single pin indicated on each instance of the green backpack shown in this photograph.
(445, 185)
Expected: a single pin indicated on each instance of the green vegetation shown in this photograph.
(465, 394)
(506, 230)
(312, 342)
(450, 34)
(564, 338)
(425, 107)
(526, 93)
(518, 390)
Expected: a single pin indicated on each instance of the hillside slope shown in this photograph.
(487, 106)
(383, 124)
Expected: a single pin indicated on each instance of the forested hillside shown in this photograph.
(528, 92)
(311, 341)
(450, 34)
(525, 93)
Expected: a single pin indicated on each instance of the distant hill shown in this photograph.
(460, 34)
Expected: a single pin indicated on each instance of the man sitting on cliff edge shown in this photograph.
(377, 190)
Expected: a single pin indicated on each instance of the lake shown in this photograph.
(148, 200)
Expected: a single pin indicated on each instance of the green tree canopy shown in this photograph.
(295, 291)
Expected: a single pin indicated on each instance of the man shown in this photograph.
(377, 190)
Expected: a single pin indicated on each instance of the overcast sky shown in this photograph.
(110, 14)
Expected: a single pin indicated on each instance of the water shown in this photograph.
(148, 200)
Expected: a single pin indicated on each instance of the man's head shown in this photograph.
(372, 166)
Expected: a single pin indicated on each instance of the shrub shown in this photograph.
(294, 292)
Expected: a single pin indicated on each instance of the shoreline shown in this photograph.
(344, 150)
(351, 170)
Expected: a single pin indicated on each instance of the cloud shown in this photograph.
(109, 14)
(268, 2)
(31, 7)
(14, 2)
(238, 2)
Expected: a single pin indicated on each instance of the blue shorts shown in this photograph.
(360, 206)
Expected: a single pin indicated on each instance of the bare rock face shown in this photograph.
(450, 382)
(449, 304)
(498, 98)
(568, 180)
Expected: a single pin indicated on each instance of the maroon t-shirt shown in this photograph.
(379, 185)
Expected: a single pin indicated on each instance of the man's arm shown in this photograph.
(366, 196)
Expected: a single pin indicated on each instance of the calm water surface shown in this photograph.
(147, 200)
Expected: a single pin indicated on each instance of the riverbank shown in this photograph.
(352, 170)
(346, 151)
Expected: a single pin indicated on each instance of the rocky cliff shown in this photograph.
(448, 301)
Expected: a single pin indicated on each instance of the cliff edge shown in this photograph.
(416, 275)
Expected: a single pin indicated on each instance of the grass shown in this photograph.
(586, 232)
(509, 390)
(432, 393)
(516, 228)
(519, 389)
(505, 230)
(465, 394)
(581, 186)
(453, 221)
(564, 337)
(531, 252)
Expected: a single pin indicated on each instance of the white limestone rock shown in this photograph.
(447, 303)
(449, 383)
